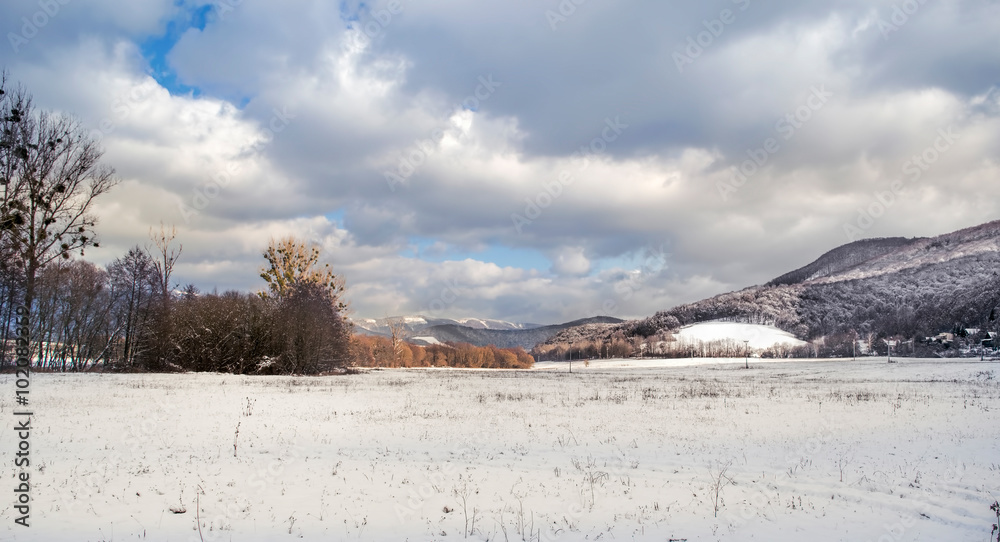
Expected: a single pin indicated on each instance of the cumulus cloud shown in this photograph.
(570, 261)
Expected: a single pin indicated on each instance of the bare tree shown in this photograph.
(232, 332)
(72, 322)
(133, 285)
(313, 335)
(397, 334)
(870, 340)
(161, 320)
(51, 174)
(165, 257)
(13, 105)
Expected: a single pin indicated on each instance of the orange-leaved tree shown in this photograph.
(291, 262)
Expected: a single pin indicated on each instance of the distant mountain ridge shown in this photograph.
(505, 338)
(417, 323)
(477, 331)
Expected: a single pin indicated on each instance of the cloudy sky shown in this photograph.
(536, 160)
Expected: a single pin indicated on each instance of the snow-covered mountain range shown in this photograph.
(417, 323)
(477, 331)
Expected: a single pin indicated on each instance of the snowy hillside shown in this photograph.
(886, 287)
(758, 336)
(981, 241)
(844, 258)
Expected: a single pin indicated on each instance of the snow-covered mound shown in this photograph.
(760, 336)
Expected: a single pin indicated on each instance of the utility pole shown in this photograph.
(746, 352)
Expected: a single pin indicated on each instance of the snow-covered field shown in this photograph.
(619, 450)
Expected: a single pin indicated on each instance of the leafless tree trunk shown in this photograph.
(165, 257)
(397, 334)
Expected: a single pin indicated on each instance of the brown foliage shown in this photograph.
(370, 351)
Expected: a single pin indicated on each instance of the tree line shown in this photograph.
(126, 317)
(375, 351)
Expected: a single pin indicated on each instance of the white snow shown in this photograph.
(414, 320)
(760, 336)
(619, 450)
(651, 363)
(428, 340)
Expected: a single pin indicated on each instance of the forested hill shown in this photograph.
(504, 338)
(889, 287)
(844, 258)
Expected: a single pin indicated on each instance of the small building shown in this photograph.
(945, 338)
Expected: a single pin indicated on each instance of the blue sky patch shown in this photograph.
(156, 49)
(502, 256)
